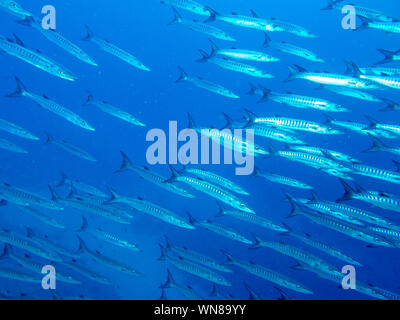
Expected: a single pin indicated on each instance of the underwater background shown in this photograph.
(140, 27)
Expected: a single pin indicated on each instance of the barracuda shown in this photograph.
(243, 54)
(302, 102)
(114, 111)
(361, 128)
(379, 146)
(251, 22)
(232, 65)
(81, 186)
(151, 176)
(111, 263)
(220, 229)
(326, 78)
(16, 130)
(41, 216)
(50, 105)
(387, 81)
(267, 274)
(187, 291)
(389, 57)
(151, 209)
(338, 278)
(17, 275)
(361, 11)
(321, 152)
(95, 208)
(24, 198)
(28, 245)
(376, 173)
(196, 257)
(36, 267)
(18, 50)
(201, 27)
(188, 5)
(359, 214)
(205, 84)
(291, 124)
(9, 146)
(381, 71)
(58, 40)
(250, 218)
(291, 49)
(114, 50)
(194, 269)
(294, 29)
(336, 225)
(210, 189)
(108, 237)
(295, 253)
(393, 235)
(375, 125)
(216, 179)
(389, 27)
(264, 131)
(281, 179)
(332, 251)
(14, 7)
(379, 199)
(228, 139)
(86, 272)
(353, 93)
(80, 153)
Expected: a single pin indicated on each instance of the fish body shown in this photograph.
(273, 177)
(16, 130)
(9, 146)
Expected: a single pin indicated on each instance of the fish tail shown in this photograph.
(82, 246)
(330, 5)
(388, 56)
(214, 292)
(183, 76)
(328, 119)
(163, 253)
(213, 14)
(295, 210)
(365, 23)
(6, 252)
(174, 176)
(377, 145)
(293, 73)
(229, 121)
(49, 138)
(170, 281)
(177, 18)
(205, 56)
(214, 47)
(349, 192)
(63, 180)
(21, 89)
(266, 94)
(29, 233)
(89, 34)
(288, 231)
(372, 123)
(126, 163)
(89, 99)
(168, 244)
(26, 21)
(397, 164)
(221, 210)
(229, 257)
(192, 220)
(390, 105)
(257, 243)
(192, 124)
(114, 196)
(253, 89)
(267, 41)
(3, 202)
(54, 195)
(251, 118)
(84, 225)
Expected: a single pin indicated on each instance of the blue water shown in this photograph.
(140, 27)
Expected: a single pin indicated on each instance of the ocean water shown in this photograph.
(140, 27)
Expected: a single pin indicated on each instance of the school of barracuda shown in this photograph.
(276, 136)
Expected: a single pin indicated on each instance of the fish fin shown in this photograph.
(192, 124)
(214, 292)
(254, 14)
(257, 242)
(126, 163)
(377, 145)
(294, 71)
(214, 47)
(18, 41)
(63, 180)
(26, 21)
(19, 92)
(390, 105)
(3, 202)
(114, 197)
(365, 23)
(163, 253)
(49, 138)
(213, 14)
(6, 251)
(372, 123)
(397, 164)
(84, 225)
(230, 258)
(168, 244)
(251, 117)
(177, 18)
(221, 210)
(183, 75)
(170, 281)
(89, 34)
(253, 89)
(330, 5)
(205, 56)
(229, 121)
(349, 192)
(267, 41)
(388, 56)
(54, 195)
(89, 99)
(266, 95)
(296, 209)
(175, 175)
(289, 231)
(82, 246)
